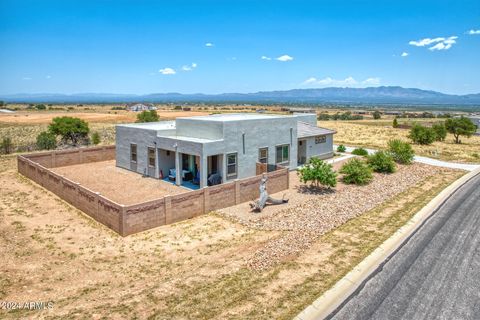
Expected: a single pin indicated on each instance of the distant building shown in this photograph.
(301, 110)
(476, 120)
(393, 113)
(360, 112)
(140, 107)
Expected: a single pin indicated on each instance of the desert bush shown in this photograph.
(7, 145)
(460, 127)
(148, 116)
(341, 148)
(422, 135)
(95, 138)
(440, 131)
(118, 108)
(377, 115)
(395, 123)
(356, 171)
(69, 128)
(46, 141)
(381, 161)
(177, 108)
(318, 173)
(401, 151)
(360, 152)
(40, 107)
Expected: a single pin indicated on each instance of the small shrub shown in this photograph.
(381, 161)
(422, 135)
(356, 171)
(7, 145)
(95, 138)
(148, 116)
(401, 151)
(319, 173)
(40, 107)
(360, 152)
(177, 108)
(395, 122)
(377, 115)
(46, 141)
(341, 148)
(440, 131)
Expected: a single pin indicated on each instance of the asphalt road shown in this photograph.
(434, 275)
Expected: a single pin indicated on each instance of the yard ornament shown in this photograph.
(265, 199)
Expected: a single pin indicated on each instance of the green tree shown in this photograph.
(96, 138)
(40, 107)
(460, 127)
(377, 115)
(69, 128)
(381, 161)
(401, 152)
(422, 135)
(440, 131)
(356, 171)
(395, 122)
(7, 145)
(46, 141)
(318, 173)
(148, 116)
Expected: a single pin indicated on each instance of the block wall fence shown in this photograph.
(130, 219)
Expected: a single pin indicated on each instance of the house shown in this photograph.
(140, 107)
(223, 146)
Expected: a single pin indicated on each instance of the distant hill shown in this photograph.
(372, 95)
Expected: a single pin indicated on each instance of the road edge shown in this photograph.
(329, 301)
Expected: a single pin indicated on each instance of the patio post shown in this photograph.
(203, 171)
(178, 169)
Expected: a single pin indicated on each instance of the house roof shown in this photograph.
(305, 130)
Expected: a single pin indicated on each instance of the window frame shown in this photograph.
(320, 139)
(132, 145)
(287, 161)
(231, 175)
(148, 157)
(260, 158)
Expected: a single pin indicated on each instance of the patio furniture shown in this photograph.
(214, 179)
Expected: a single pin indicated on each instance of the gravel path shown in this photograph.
(310, 214)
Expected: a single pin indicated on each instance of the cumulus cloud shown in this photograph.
(404, 54)
(167, 71)
(473, 32)
(439, 43)
(349, 81)
(189, 67)
(284, 58)
(265, 58)
(208, 44)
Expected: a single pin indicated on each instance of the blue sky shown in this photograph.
(217, 46)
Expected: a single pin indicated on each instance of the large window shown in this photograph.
(151, 157)
(133, 152)
(263, 155)
(283, 154)
(231, 165)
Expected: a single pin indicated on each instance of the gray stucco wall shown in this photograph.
(320, 150)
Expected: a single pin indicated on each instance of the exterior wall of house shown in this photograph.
(205, 129)
(320, 150)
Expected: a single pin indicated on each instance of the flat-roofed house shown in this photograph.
(228, 146)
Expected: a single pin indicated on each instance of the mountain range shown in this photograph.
(373, 95)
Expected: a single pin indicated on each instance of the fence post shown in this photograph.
(237, 191)
(54, 159)
(288, 177)
(206, 200)
(122, 219)
(168, 209)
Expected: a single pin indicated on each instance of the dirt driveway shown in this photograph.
(120, 185)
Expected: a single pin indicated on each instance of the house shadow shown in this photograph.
(311, 189)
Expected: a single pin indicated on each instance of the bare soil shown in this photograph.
(117, 184)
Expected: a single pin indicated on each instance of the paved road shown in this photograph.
(435, 274)
(430, 161)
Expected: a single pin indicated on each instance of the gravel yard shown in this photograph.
(311, 213)
(117, 184)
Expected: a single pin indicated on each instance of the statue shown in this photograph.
(265, 199)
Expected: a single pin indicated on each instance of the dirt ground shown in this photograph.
(117, 184)
(193, 269)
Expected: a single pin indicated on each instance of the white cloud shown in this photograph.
(473, 32)
(439, 43)
(189, 67)
(371, 81)
(167, 71)
(208, 44)
(284, 58)
(404, 54)
(349, 82)
(265, 58)
(26, 78)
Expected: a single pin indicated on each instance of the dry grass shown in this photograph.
(193, 269)
(375, 135)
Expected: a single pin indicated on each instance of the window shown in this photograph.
(151, 157)
(283, 154)
(263, 155)
(231, 164)
(320, 139)
(133, 152)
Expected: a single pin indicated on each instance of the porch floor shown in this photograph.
(186, 184)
